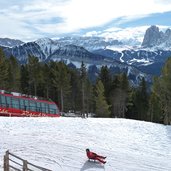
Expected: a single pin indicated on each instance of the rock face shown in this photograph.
(154, 37)
(167, 37)
(22, 52)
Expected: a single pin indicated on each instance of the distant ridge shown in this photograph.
(10, 42)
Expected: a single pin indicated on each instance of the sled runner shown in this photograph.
(97, 160)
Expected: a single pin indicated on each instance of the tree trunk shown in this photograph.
(47, 92)
(83, 99)
(62, 100)
(35, 89)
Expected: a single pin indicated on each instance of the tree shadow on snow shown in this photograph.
(91, 164)
(168, 128)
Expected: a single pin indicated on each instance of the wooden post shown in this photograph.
(6, 161)
(25, 165)
(5, 166)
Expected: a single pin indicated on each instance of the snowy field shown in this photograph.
(59, 143)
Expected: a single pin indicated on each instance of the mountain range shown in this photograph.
(137, 61)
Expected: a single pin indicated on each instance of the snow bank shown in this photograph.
(59, 143)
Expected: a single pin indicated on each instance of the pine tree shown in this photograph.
(124, 82)
(47, 81)
(34, 74)
(102, 108)
(119, 95)
(24, 82)
(162, 89)
(61, 81)
(83, 79)
(3, 71)
(52, 90)
(75, 90)
(155, 109)
(89, 97)
(14, 76)
(141, 101)
(130, 112)
(106, 79)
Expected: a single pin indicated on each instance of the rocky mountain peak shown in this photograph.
(151, 37)
(44, 41)
(168, 32)
(168, 35)
(47, 45)
(154, 37)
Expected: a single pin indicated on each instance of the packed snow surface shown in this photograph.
(59, 143)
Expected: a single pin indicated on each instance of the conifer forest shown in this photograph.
(110, 95)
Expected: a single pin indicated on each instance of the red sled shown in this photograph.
(95, 157)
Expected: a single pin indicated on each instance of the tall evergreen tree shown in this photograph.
(24, 82)
(130, 112)
(3, 71)
(83, 79)
(106, 79)
(163, 91)
(124, 82)
(89, 97)
(141, 101)
(119, 95)
(75, 90)
(102, 108)
(34, 74)
(61, 80)
(47, 81)
(53, 91)
(14, 74)
(155, 109)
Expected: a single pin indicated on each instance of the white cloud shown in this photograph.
(90, 13)
(71, 15)
(16, 29)
(134, 34)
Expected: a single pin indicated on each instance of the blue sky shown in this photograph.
(32, 19)
(151, 19)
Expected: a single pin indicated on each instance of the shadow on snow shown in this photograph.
(92, 164)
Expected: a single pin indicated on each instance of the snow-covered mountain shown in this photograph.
(10, 42)
(22, 52)
(90, 43)
(48, 46)
(60, 143)
(47, 50)
(146, 60)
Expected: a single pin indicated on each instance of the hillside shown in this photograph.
(60, 143)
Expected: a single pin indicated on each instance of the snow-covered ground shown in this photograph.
(59, 143)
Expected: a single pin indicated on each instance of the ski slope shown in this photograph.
(59, 143)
